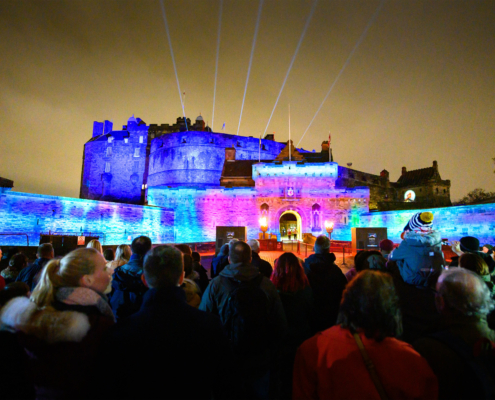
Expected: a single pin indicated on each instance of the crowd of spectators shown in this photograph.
(148, 322)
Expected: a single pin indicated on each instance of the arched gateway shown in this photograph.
(290, 221)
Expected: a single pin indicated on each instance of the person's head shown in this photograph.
(108, 254)
(375, 261)
(1, 254)
(14, 289)
(224, 250)
(288, 274)
(18, 261)
(239, 252)
(474, 262)
(95, 244)
(196, 256)
(359, 260)
(83, 267)
(419, 222)
(45, 250)
(254, 244)
(163, 267)
(386, 246)
(322, 245)
(370, 304)
(487, 248)
(123, 252)
(463, 292)
(469, 244)
(141, 245)
(188, 265)
(184, 249)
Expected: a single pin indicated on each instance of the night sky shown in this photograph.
(419, 87)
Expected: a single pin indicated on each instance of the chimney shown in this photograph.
(384, 174)
(230, 154)
(435, 165)
(324, 146)
(97, 128)
(404, 170)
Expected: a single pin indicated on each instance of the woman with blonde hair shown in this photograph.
(61, 326)
(95, 244)
(122, 256)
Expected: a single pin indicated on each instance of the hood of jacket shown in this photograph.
(319, 263)
(423, 242)
(127, 281)
(51, 326)
(240, 271)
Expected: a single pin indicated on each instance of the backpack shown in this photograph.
(247, 317)
(480, 360)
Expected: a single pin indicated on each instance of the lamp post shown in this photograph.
(263, 225)
(329, 228)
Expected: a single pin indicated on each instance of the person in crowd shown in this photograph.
(358, 264)
(474, 262)
(61, 326)
(6, 256)
(170, 331)
(419, 257)
(12, 290)
(456, 351)
(264, 266)
(31, 275)
(327, 281)
(122, 256)
(487, 249)
(196, 257)
(297, 299)
(386, 246)
(199, 273)
(470, 244)
(109, 255)
(127, 287)
(220, 261)
(375, 261)
(17, 263)
(250, 309)
(95, 244)
(330, 366)
(2, 283)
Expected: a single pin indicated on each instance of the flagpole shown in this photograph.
(290, 144)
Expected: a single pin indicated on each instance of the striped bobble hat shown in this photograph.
(419, 221)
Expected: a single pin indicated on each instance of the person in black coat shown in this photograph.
(328, 283)
(154, 353)
(31, 274)
(128, 288)
(264, 266)
(220, 261)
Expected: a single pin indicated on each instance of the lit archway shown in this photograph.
(290, 220)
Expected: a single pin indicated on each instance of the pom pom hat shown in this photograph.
(420, 221)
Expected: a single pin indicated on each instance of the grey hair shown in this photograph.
(465, 292)
(254, 244)
(322, 244)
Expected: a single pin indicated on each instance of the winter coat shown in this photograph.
(202, 276)
(127, 288)
(9, 274)
(215, 300)
(218, 264)
(455, 379)
(154, 352)
(28, 274)
(419, 256)
(330, 366)
(61, 345)
(264, 266)
(328, 283)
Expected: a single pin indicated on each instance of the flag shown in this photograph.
(223, 126)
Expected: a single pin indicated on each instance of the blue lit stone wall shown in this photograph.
(115, 165)
(197, 158)
(452, 222)
(114, 223)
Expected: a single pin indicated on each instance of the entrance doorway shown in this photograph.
(290, 222)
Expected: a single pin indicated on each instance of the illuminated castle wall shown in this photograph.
(32, 214)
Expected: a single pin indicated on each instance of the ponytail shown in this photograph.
(67, 271)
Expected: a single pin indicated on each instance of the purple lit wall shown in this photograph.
(32, 214)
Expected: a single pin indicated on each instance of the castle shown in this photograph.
(213, 179)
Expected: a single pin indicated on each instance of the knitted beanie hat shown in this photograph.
(422, 220)
(386, 245)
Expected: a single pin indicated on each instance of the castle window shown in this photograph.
(126, 140)
(136, 152)
(107, 167)
(110, 139)
(109, 151)
(140, 139)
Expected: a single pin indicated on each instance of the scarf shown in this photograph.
(84, 297)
